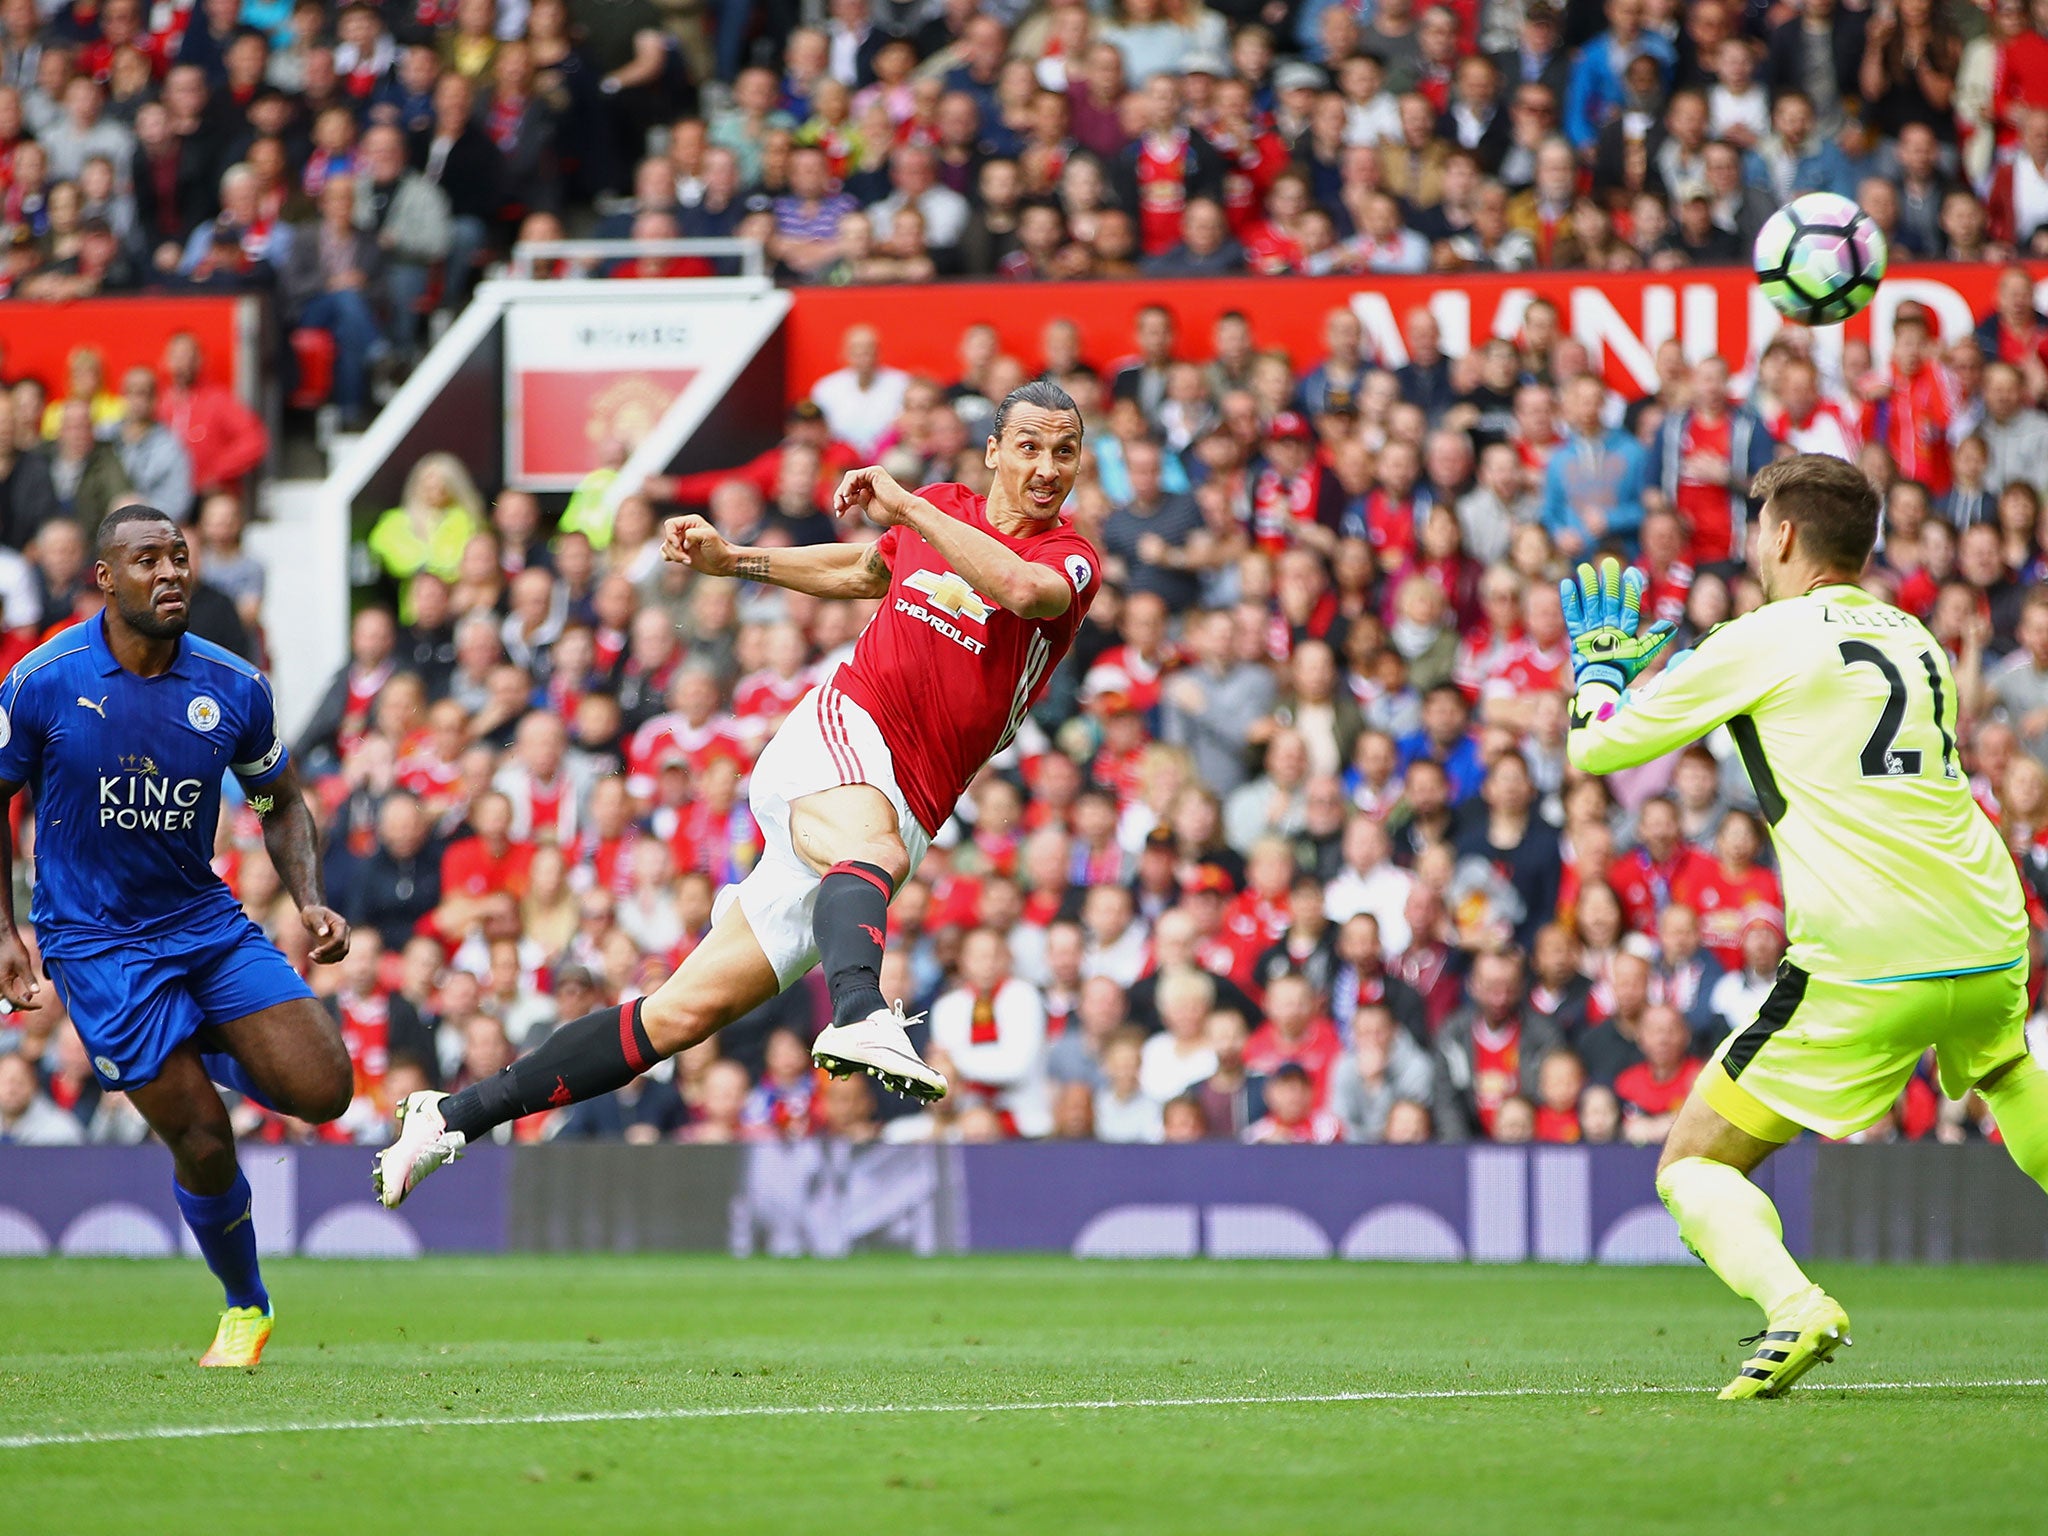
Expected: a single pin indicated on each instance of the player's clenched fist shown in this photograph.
(872, 490)
(693, 542)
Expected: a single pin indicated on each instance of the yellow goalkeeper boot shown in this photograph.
(1806, 1332)
(240, 1338)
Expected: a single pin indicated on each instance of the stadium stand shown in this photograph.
(1290, 851)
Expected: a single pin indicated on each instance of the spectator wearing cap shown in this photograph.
(1593, 488)
(1294, 497)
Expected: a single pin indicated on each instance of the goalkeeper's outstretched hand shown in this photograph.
(1601, 612)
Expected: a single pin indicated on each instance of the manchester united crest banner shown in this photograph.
(586, 380)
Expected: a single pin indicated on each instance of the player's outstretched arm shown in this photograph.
(822, 570)
(18, 983)
(294, 844)
(1724, 677)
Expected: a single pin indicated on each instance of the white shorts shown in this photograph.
(827, 740)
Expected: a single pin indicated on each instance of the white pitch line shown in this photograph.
(810, 1410)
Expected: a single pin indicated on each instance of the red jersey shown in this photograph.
(1645, 886)
(1528, 668)
(1724, 902)
(672, 735)
(1666, 595)
(1640, 1090)
(1556, 1125)
(1316, 1053)
(947, 674)
(1496, 1068)
(1254, 162)
(366, 1032)
(1162, 174)
(1280, 506)
(1913, 423)
(1703, 505)
(468, 868)
(762, 700)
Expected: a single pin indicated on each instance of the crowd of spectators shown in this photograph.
(1288, 852)
(362, 163)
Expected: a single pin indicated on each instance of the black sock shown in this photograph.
(850, 921)
(586, 1057)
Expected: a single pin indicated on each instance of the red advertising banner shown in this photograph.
(36, 339)
(1621, 316)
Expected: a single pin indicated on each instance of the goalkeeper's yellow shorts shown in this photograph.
(1834, 1056)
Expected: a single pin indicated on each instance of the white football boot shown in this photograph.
(879, 1046)
(424, 1143)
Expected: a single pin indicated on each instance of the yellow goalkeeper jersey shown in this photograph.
(1844, 710)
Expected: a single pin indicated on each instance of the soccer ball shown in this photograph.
(1820, 259)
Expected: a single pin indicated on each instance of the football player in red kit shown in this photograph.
(981, 599)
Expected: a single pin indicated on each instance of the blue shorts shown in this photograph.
(134, 1005)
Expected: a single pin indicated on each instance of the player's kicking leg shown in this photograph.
(850, 836)
(1703, 1179)
(290, 1058)
(722, 979)
(831, 898)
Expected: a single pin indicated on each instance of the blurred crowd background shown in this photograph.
(1289, 851)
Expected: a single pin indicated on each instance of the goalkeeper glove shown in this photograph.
(1601, 612)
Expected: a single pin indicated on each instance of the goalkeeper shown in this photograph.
(1903, 908)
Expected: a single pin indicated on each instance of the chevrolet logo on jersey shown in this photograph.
(950, 593)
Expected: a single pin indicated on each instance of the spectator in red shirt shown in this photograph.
(1560, 1079)
(1910, 409)
(1652, 1090)
(483, 865)
(225, 439)
(1645, 877)
(1724, 890)
(1294, 1032)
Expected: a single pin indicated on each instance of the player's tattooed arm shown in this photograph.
(294, 845)
(752, 566)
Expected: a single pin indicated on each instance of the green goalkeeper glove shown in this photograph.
(1601, 612)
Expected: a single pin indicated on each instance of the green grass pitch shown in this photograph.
(684, 1395)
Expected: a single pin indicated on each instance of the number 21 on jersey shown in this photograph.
(1880, 759)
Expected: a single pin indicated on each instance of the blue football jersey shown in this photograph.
(126, 775)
